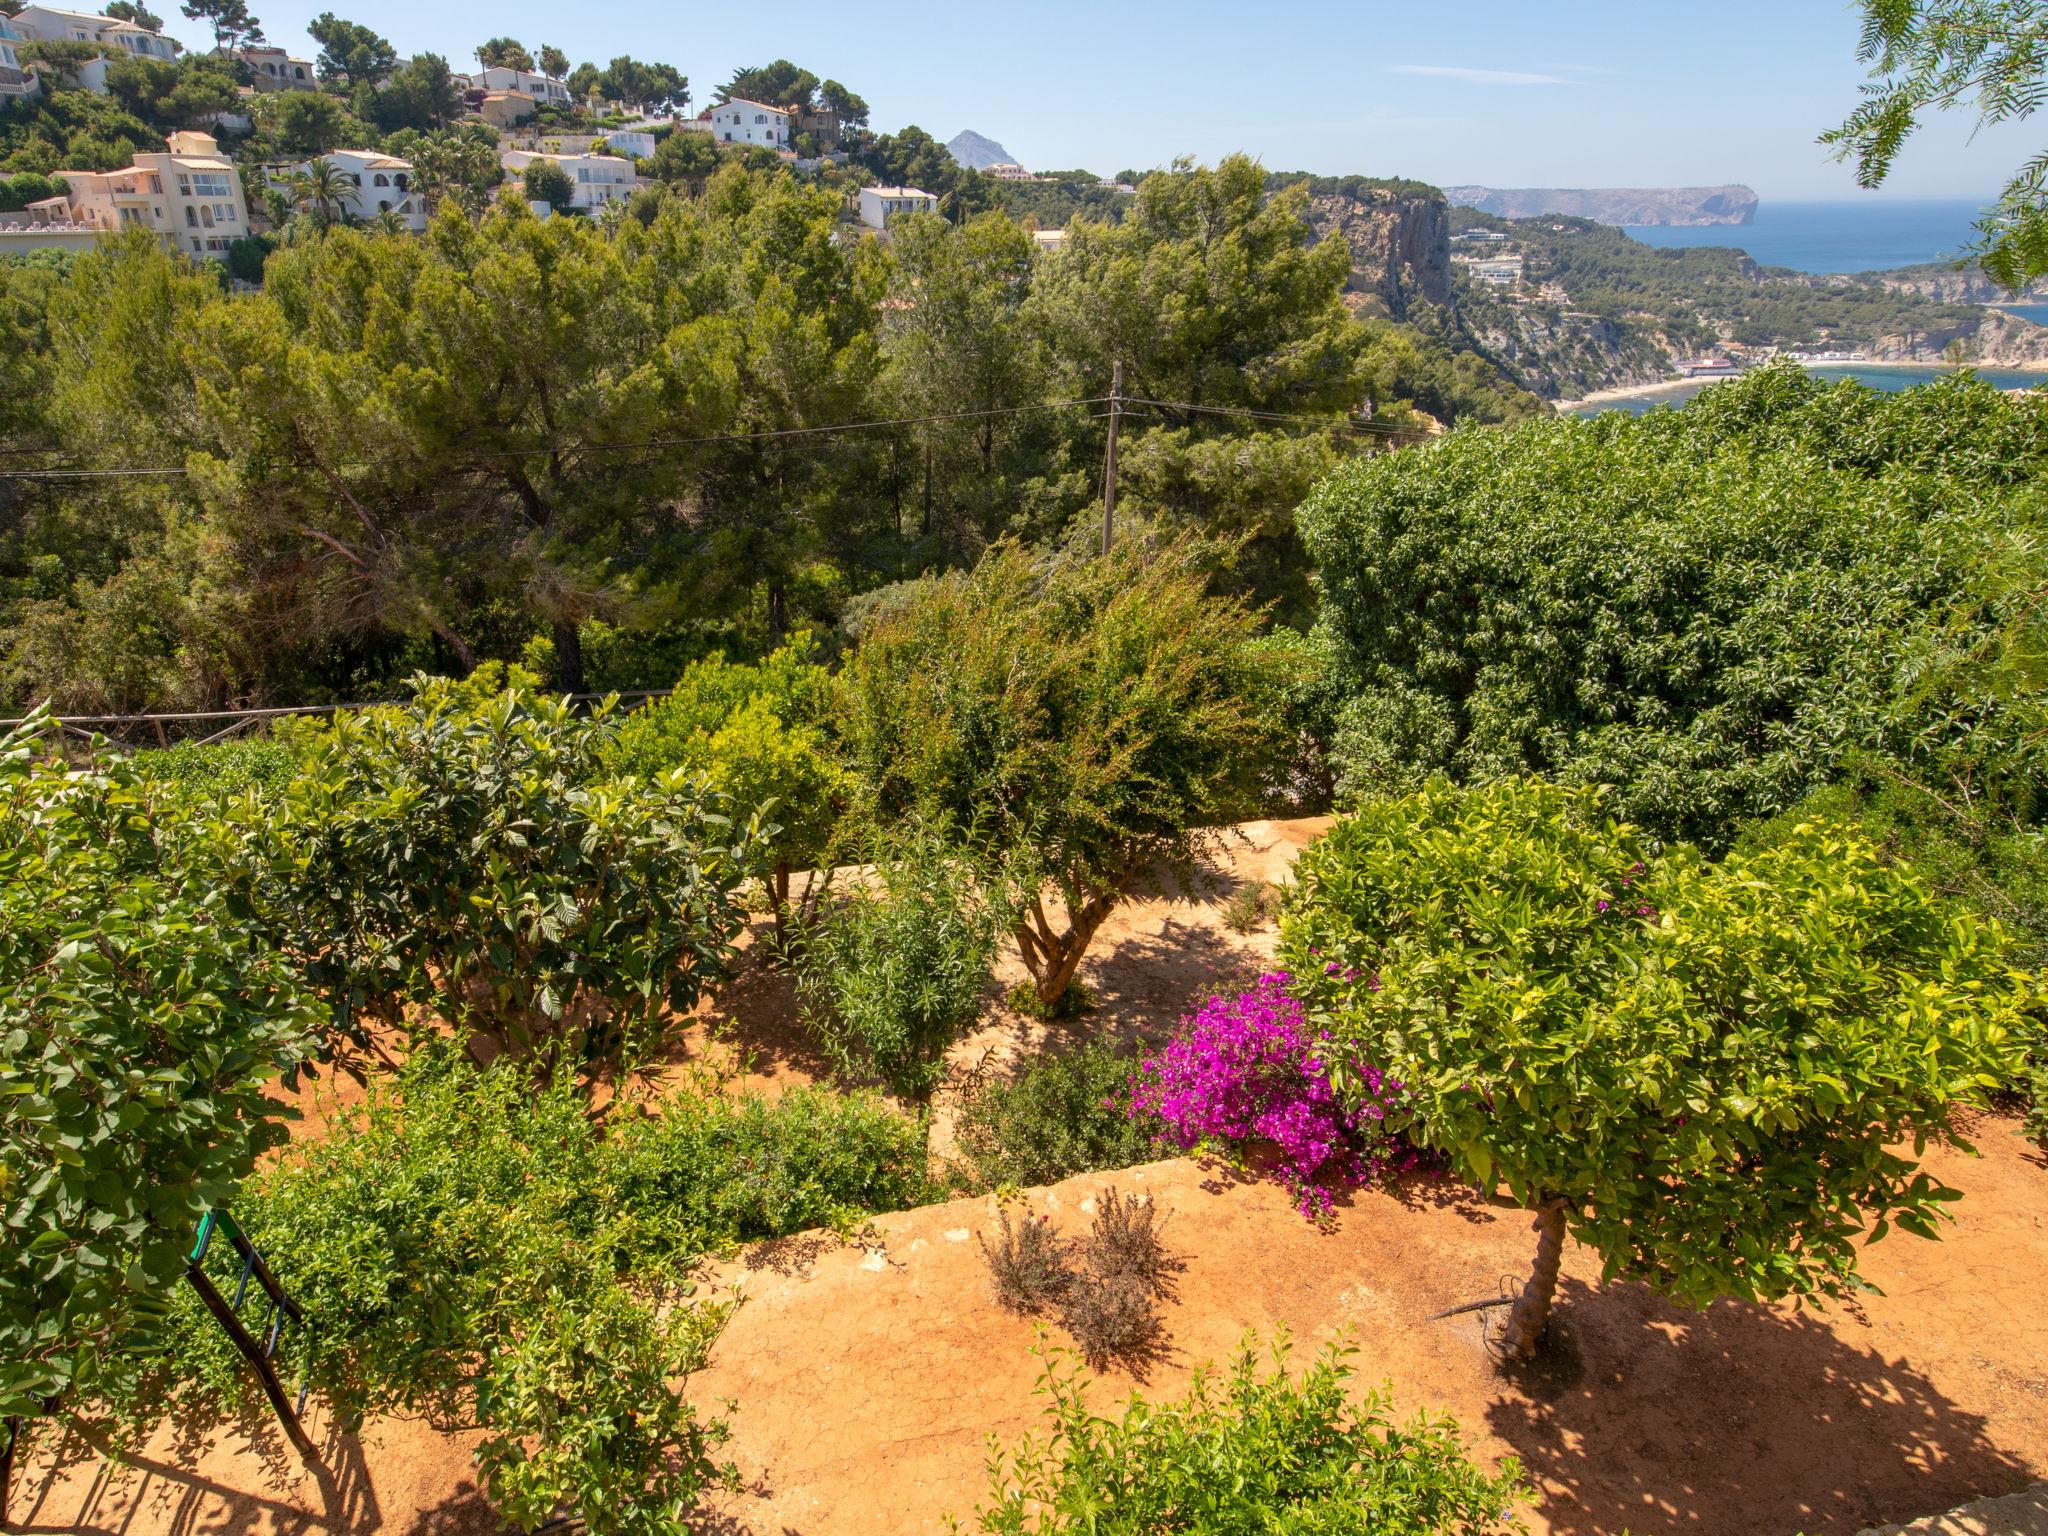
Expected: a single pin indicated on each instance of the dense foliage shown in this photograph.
(469, 850)
(894, 972)
(1704, 1071)
(1253, 1451)
(474, 1251)
(1092, 717)
(1057, 1115)
(140, 1025)
(1708, 609)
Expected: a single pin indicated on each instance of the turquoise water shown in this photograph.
(1887, 379)
(1863, 236)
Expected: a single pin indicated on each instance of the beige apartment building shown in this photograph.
(190, 198)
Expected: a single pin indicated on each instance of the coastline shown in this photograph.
(1667, 386)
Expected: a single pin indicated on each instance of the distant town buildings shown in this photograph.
(882, 206)
(1500, 271)
(190, 198)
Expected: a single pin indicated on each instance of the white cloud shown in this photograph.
(1478, 76)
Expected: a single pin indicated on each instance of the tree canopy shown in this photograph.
(351, 54)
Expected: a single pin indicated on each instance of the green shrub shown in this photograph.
(1703, 1071)
(1253, 1452)
(206, 774)
(478, 1251)
(1060, 1115)
(893, 974)
(469, 851)
(1706, 609)
(1090, 716)
(756, 733)
(139, 1028)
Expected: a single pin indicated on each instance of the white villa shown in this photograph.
(378, 184)
(544, 89)
(191, 198)
(599, 179)
(882, 206)
(16, 82)
(749, 122)
(111, 36)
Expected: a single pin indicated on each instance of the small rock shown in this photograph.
(956, 1234)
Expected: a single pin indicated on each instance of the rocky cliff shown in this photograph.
(1614, 205)
(1400, 245)
(976, 152)
(1954, 285)
(1995, 340)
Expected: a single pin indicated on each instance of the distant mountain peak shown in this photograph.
(976, 152)
(1734, 204)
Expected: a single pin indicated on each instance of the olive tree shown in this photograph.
(1706, 1072)
(1089, 717)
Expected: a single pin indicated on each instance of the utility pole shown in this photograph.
(1116, 411)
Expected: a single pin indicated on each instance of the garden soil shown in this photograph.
(869, 1373)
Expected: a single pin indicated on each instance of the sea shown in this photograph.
(1887, 379)
(1862, 236)
(1867, 235)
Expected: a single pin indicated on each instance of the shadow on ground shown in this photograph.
(1736, 1420)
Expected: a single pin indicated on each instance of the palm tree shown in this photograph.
(321, 186)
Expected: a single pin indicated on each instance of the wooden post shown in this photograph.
(253, 1353)
(1116, 411)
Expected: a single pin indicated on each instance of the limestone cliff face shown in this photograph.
(1996, 340)
(1956, 285)
(1400, 246)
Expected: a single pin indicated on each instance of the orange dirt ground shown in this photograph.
(869, 1375)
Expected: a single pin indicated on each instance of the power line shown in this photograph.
(1350, 423)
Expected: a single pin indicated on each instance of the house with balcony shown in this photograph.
(543, 90)
(750, 122)
(17, 81)
(598, 179)
(273, 69)
(111, 35)
(374, 184)
(189, 198)
(882, 206)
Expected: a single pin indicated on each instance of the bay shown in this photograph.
(1862, 236)
(1889, 380)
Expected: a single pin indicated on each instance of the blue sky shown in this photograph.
(1500, 92)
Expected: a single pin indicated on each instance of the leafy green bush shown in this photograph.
(1707, 608)
(892, 974)
(203, 774)
(756, 733)
(469, 850)
(1059, 1115)
(1702, 1070)
(139, 1028)
(477, 1251)
(1253, 1452)
(1090, 715)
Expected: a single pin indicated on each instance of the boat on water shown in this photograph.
(1707, 367)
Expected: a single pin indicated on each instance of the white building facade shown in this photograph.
(377, 184)
(750, 122)
(17, 81)
(544, 89)
(598, 179)
(882, 206)
(273, 69)
(114, 38)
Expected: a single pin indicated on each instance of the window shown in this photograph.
(383, 181)
(196, 245)
(227, 211)
(206, 215)
(298, 72)
(191, 217)
(156, 185)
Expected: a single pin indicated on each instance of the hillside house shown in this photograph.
(506, 109)
(378, 184)
(113, 37)
(882, 206)
(545, 90)
(750, 122)
(273, 69)
(599, 179)
(191, 198)
(17, 82)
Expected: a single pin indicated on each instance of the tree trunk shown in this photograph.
(1531, 1312)
(1054, 958)
(568, 656)
(776, 613)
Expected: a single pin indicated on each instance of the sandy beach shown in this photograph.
(1674, 386)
